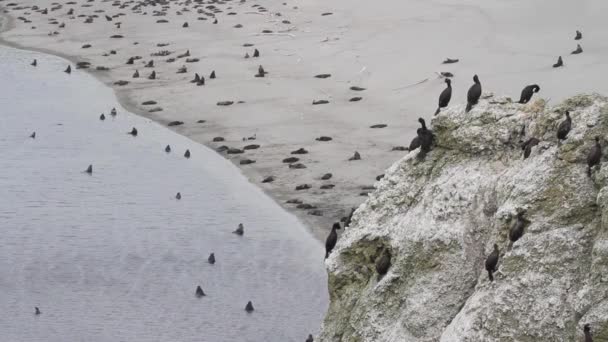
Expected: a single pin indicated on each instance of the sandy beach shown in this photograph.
(387, 54)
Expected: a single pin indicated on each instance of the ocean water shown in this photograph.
(113, 256)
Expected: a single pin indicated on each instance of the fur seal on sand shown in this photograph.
(578, 36)
(37, 311)
(196, 79)
(445, 96)
(527, 92)
(473, 94)
(33, 135)
(595, 155)
(133, 132)
(178, 196)
(68, 70)
(136, 74)
(578, 50)
(240, 230)
(102, 117)
(331, 240)
(34, 63)
(89, 169)
(256, 53)
(152, 75)
(168, 149)
(261, 72)
(564, 128)
(187, 154)
(212, 75)
(559, 63)
(199, 292)
(491, 262)
(211, 259)
(113, 112)
(249, 307)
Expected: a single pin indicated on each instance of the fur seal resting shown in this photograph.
(113, 112)
(201, 81)
(89, 169)
(445, 96)
(152, 75)
(102, 117)
(150, 64)
(199, 292)
(559, 63)
(196, 79)
(33, 135)
(578, 50)
(240, 230)
(212, 75)
(133, 132)
(34, 63)
(187, 154)
(527, 92)
(249, 307)
(261, 72)
(473, 94)
(68, 70)
(37, 311)
(332, 239)
(595, 155)
(578, 36)
(211, 259)
(131, 60)
(491, 262)
(178, 196)
(136, 74)
(450, 61)
(185, 25)
(256, 53)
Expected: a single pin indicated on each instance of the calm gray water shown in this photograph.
(114, 256)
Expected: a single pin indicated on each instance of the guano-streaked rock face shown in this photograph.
(439, 218)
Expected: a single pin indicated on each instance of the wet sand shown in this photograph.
(392, 49)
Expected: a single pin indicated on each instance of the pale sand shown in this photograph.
(386, 47)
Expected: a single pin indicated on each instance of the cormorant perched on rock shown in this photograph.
(89, 169)
(178, 196)
(133, 132)
(212, 75)
(33, 135)
(425, 136)
(587, 332)
(256, 53)
(199, 292)
(331, 240)
(578, 36)
(578, 50)
(473, 94)
(309, 339)
(211, 259)
(595, 155)
(446, 95)
(187, 154)
(491, 262)
(517, 230)
(68, 70)
(564, 128)
(240, 230)
(196, 79)
(383, 263)
(527, 92)
(37, 312)
(527, 146)
(34, 63)
(249, 307)
(136, 74)
(102, 117)
(559, 63)
(168, 149)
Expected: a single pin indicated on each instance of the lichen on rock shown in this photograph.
(440, 216)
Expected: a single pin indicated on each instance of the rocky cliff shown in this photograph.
(439, 217)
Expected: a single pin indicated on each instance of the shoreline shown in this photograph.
(333, 210)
